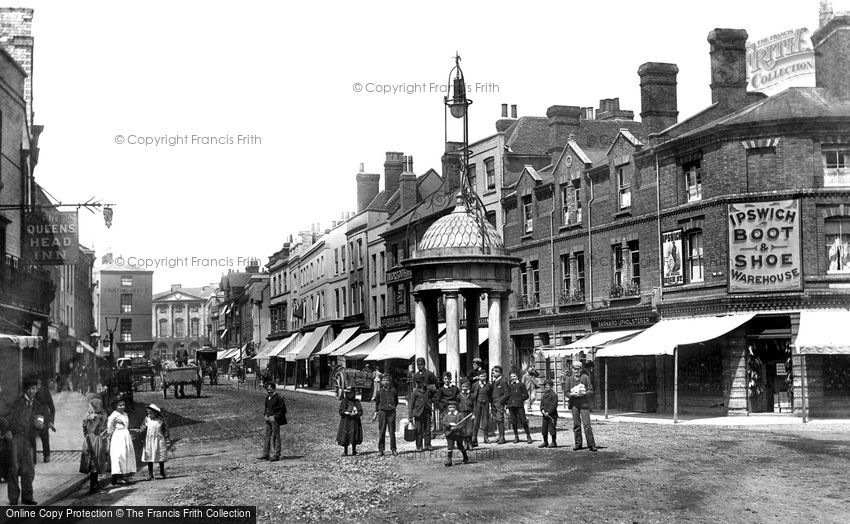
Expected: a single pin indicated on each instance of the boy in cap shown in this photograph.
(385, 403)
(466, 407)
(577, 387)
(517, 395)
(419, 412)
(274, 413)
(481, 418)
(549, 410)
(498, 399)
(455, 434)
(446, 393)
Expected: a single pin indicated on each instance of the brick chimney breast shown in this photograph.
(368, 186)
(728, 67)
(393, 167)
(563, 120)
(831, 42)
(658, 98)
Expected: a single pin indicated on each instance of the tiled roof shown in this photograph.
(458, 232)
(793, 103)
(528, 135)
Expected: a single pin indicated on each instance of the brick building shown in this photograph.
(124, 297)
(729, 226)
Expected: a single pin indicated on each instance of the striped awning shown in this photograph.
(22, 341)
(283, 345)
(396, 344)
(824, 332)
(344, 336)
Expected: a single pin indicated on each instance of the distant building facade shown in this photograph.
(181, 316)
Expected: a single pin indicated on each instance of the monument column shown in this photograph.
(452, 335)
(494, 326)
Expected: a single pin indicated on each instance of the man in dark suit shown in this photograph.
(577, 388)
(386, 402)
(428, 377)
(499, 397)
(517, 395)
(419, 413)
(25, 419)
(274, 414)
(481, 416)
(45, 400)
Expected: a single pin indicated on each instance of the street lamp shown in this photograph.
(111, 324)
(458, 106)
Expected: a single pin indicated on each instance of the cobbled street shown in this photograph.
(642, 473)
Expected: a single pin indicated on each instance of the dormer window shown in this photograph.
(528, 214)
(693, 180)
(624, 188)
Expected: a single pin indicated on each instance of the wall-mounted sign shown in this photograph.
(622, 322)
(397, 275)
(671, 247)
(773, 61)
(51, 238)
(764, 246)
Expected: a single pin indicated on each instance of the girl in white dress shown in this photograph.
(122, 457)
(155, 440)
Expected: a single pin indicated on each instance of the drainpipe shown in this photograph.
(658, 222)
(552, 250)
(588, 263)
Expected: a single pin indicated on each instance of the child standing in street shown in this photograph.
(455, 434)
(386, 402)
(517, 395)
(350, 430)
(156, 438)
(466, 407)
(549, 410)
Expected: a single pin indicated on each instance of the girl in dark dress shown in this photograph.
(94, 454)
(350, 430)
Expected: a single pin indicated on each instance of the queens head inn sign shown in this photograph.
(51, 238)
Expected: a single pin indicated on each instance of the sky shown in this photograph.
(301, 83)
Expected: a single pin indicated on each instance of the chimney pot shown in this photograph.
(393, 167)
(361, 167)
(504, 110)
(513, 111)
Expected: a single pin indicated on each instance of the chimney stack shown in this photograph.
(451, 164)
(368, 187)
(504, 110)
(513, 111)
(728, 67)
(563, 120)
(393, 167)
(832, 54)
(609, 109)
(825, 12)
(504, 123)
(658, 103)
(407, 185)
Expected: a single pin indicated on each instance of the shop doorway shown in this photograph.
(770, 376)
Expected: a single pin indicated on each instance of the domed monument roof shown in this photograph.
(460, 233)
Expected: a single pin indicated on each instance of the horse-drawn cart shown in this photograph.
(344, 377)
(181, 376)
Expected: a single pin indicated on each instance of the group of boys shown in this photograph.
(465, 410)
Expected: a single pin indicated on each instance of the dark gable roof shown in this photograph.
(528, 135)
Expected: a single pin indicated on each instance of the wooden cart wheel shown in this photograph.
(339, 381)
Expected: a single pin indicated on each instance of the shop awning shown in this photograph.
(824, 332)
(365, 348)
(220, 354)
(308, 345)
(353, 344)
(223, 334)
(396, 344)
(344, 336)
(483, 334)
(663, 337)
(230, 353)
(82, 347)
(22, 341)
(591, 342)
(266, 347)
(282, 346)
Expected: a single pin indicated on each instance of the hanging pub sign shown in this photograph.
(671, 247)
(51, 238)
(764, 246)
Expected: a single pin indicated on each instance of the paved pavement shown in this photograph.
(61, 475)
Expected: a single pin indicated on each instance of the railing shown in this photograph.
(624, 291)
(575, 296)
(28, 286)
(529, 301)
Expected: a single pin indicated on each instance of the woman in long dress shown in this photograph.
(156, 438)
(350, 432)
(121, 454)
(94, 456)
